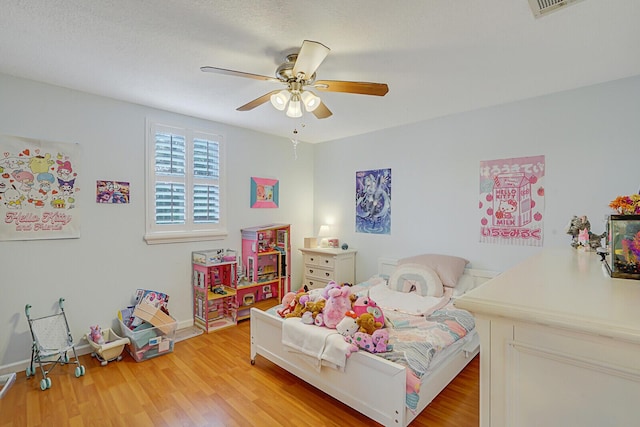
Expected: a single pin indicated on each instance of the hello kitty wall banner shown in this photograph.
(38, 189)
(512, 201)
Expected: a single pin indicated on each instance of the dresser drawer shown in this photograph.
(319, 260)
(313, 283)
(319, 273)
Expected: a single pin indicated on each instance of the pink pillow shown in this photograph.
(448, 267)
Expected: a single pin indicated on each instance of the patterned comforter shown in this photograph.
(416, 340)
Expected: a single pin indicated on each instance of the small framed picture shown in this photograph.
(334, 243)
(264, 193)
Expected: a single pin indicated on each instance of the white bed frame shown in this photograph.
(369, 384)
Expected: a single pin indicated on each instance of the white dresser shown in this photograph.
(560, 343)
(321, 265)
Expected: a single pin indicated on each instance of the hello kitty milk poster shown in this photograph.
(38, 189)
(512, 201)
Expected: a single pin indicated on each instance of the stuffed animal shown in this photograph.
(380, 340)
(348, 326)
(367, 323)
(288, 304)
(316, 294)
(314, 308)
(376, 343)
(362, 340)
(297, 309)
(338, 303)
(367, 305)
(577, 227)
(307, 318)
(325, 291)
(95, 334)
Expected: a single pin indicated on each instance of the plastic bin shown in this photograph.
(147, 341)
(111, 349)
(6, 381)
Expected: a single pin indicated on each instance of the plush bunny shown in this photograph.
(338, 303)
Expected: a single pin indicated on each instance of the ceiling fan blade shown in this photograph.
(237, 73)
(309, 58)
(257, 102)
(321, 111)
(361, 88)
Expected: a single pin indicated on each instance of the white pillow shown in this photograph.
(466, 282)
(418, 278)
(448, 267)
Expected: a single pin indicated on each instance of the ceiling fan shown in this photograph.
(298, 74)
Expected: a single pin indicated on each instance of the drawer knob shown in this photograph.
(326, 261)
(310, 271)
(327, 274)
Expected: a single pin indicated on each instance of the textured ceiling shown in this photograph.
(438, 57)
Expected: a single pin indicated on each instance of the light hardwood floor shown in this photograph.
(207, 381)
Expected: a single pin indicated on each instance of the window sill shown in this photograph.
(183, 237)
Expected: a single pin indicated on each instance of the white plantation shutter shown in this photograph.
(206, 174)
(170, 163)
(170, 206)
(185, 185)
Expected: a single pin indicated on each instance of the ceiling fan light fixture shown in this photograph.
(279, 100)
(295, 107)
(310, 100)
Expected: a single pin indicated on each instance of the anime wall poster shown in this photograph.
(38, 186)
(512, 201)
(373, 201)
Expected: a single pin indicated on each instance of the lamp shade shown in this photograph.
(279, 100)
(295, 107)
(324, 231)
(310, 100)
(323, 234)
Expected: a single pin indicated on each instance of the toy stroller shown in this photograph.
(51, 343)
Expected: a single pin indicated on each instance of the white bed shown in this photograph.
(388, 408)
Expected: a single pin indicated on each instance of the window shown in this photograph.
(185, 185)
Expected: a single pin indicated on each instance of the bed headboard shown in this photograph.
(387, 265)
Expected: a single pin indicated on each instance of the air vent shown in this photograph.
(545, 7)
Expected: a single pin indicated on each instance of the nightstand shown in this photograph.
(321, 265)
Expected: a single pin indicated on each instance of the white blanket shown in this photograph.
(318, 346)
(407, 302)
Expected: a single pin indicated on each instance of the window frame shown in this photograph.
(190, 231)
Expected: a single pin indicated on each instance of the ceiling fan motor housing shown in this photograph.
(285, 71)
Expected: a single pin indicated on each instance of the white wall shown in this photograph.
(590, 138)
(98, 273)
